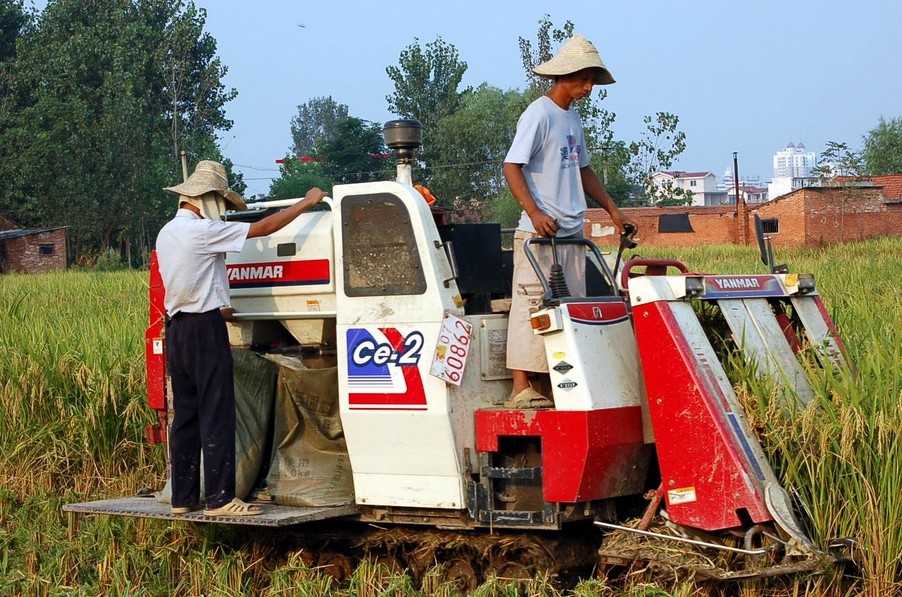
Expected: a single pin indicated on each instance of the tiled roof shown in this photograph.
(892, 186)
(891, 183)
(679, 174)
(17, 233)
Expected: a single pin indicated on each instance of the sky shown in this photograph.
(745, 76)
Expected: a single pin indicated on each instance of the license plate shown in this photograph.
(452, 349)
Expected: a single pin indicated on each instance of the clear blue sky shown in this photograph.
(742, 75)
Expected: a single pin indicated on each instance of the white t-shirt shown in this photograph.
(191, 255)
(549, 144)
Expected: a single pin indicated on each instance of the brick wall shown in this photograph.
(809, 217)
(710, 226)
(814, 217)
(23, 253)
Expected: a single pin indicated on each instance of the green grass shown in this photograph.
(72, 414)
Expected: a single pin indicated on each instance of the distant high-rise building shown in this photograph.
(792, 170)
(726, 182)
(794, 162)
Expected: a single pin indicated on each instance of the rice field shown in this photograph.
(72, 415)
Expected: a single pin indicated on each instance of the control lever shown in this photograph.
(556, 279)
(626, 242)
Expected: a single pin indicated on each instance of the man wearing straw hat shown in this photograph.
(547, 170)
(191, 252)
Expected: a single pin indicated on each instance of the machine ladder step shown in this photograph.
(150, 507)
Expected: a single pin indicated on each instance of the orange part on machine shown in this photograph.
(430, 199)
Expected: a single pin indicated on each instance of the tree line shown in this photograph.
(100, 98)
(466, 134)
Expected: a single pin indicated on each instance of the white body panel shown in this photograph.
(372, 279)
(762, 341)
(594, 363)
(583, 374)
(404, 428)
(295, 287)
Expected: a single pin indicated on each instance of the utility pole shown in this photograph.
(184, 155)
(742, 215)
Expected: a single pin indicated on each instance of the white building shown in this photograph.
(751, 194)
(792, 170)
(794, 162)
(726, 183)
(702, 185)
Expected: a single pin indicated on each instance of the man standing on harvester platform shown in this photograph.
(191, 252)
(547, 170)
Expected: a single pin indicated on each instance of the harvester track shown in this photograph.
(464, 558)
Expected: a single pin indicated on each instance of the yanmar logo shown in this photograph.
(737, 283)
(742, 286)
(302, 272)
(258, 272)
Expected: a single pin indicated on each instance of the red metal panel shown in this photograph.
(597, 312)
(154, 348)
(788, 332)
(706, 470)
(586, 455)
(279, 273)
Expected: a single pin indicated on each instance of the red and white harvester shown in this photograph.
(369, 345)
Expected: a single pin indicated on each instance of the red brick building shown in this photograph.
(808, 217)
(31, 250)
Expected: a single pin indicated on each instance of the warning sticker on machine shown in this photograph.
(683, 495)
(567, 385)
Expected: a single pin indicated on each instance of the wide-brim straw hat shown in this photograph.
(576, 54)
(209, 176)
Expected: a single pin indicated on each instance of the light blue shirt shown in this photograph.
(550, 146)
(191, 256)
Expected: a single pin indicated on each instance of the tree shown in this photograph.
(13, 19)
(656, 151)
(469, 149)
(882, 151)
(355, 154)
(426, 82)
(611, 163)
(837, 160)
(297, 177)
(98, 86)
(316, 123)
(536, 85)
(193, 78)
(427, 89)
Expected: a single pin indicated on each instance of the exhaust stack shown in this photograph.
(403, 137)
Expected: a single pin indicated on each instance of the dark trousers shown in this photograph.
(200, 367)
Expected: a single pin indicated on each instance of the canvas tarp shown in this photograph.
(310, 465)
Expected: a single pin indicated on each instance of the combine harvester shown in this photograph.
(370, 370)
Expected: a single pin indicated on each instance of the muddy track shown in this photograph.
(465, 558)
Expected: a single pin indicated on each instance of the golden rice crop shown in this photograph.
(72, 413)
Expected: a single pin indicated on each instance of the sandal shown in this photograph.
(234, 508)
(185, 509)
(529, 399)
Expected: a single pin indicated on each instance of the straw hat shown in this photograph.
(576, 54)
(208, 176)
